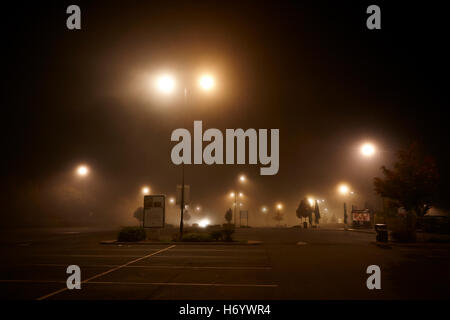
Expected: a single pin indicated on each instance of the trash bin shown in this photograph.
(382, 232)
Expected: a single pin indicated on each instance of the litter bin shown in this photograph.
(382, 232)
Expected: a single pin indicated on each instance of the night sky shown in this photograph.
(309, 68)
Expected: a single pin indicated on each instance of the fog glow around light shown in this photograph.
(203, 223)
(166, 84)
(82, 170)
(206, 82)
(367, 149)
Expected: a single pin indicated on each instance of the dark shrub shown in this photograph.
(197, 237)
(216, 235)
(176, 236)
(226, 234)
(131, 234)
(227, 231)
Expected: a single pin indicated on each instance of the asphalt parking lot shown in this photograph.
(37, 270)
(287, 264)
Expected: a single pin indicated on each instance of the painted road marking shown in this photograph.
(145, 283)
(150, 267)
(108, 271)
(189, 284)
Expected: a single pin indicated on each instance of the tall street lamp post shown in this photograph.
(166, 84)
(344, 190)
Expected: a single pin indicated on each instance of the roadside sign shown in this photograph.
(187, 194)
(243, 215)
(154, 211)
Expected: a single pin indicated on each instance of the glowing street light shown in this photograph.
(166, 84)
(198, 208)
(279, 206)
(242, 178)
(82, 170)
(204, 223)
(311, 201)
(145, 190)
(367, 149)
(172, 200)
(264, 209)
(343, 189)
(206, 82)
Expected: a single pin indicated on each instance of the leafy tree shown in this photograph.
(139, 214)
(229, 215)
(316, 213)
(411, 183)
(304, 209)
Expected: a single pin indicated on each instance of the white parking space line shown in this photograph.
(188, 284)
(107, 272)
(212, 257)
(151, 267)
(145, 283)
(92, 255)
(30, 281)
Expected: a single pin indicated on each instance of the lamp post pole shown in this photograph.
(182, 172)
(235, 209)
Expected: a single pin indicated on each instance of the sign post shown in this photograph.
(243, 215)
(154, 211)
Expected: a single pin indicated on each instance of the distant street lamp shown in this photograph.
(235, 196)
(367, 149)
(344, 190)
(278, 215)
(172, 200)
(82, 170)
(264, 210)
(145, 190)
(241, 179)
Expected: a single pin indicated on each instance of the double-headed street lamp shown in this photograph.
(234, 194)
(278, 215)
(344, 190)
(167, 84)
